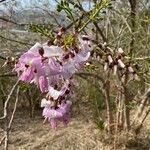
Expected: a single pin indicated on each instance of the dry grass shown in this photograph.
(81, 134)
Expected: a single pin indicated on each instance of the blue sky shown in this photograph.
(27, 4)
(24, 4)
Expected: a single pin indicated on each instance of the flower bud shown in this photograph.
(135, 76)
(110, 59)
(105, 66)
(120, 50)
(130, 69)
(115, 69)
(85, 38)
(120, 63)
(41, 51)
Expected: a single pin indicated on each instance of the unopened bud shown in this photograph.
(115, 69)
(41, 51)
(85, 38)
(105, 66)
(120, 50)
(130, 69)
(120, 63)
(110, 59)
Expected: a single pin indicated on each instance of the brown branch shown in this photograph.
(91, 74)
(8, 99)
(2, 1)
(12, 40)
(100, 32)
(8, 75)
(138, 129)
(146, 97)
(107, 101)
(79, 6)
(133, 4)
(1, 57)
(8, 125)
(15, 106)
(2, 140)
(8, 20)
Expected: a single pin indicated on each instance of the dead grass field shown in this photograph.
(81, 134)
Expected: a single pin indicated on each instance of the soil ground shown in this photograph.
(81, 134)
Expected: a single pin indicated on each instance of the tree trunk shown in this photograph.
(107, 101)
(133, 4)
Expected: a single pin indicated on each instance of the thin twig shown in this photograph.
(2, 140)
(91, 74)
(1, 57)
(100, 32)
(12, 40)
(15, 106)
(8, 98)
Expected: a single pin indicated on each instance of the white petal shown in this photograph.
(82, 57)
(87, 64)
(54, 93)
(52, 51)
(35, 48)
(45, 103)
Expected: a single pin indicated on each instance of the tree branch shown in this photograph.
(23, 43)
(7, 20)
(8, 99)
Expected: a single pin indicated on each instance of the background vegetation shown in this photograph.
(118, 108)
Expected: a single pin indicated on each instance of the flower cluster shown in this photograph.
(51, 67)
(116, 62)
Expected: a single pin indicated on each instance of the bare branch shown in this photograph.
(1, 57)
(8, 75)
(2, 1)
(7, 20)
(20, 42)
(90, 74)
(15, 106)
(100, 32)
(8, 99)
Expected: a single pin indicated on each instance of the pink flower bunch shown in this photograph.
(51, 68)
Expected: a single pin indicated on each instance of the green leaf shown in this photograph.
(59, 8)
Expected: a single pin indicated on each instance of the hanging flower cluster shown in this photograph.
(114, 60)
(117, 63)
(51, 67)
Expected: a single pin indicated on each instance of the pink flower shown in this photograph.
(47, 65)
(60, 114)
(68, 69)
(54, 93)
(43, 83)
(27, 75)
